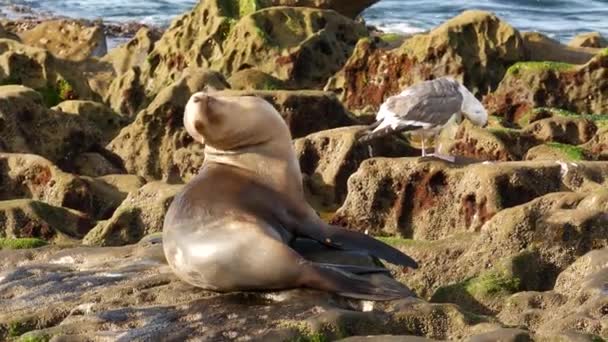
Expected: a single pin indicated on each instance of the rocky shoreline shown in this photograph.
(93, 150)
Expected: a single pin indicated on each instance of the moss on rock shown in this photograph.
(538, 66)
(23, 243)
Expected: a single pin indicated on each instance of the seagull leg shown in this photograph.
(423, 149)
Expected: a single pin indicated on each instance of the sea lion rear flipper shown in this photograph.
(331, 279)
(357, 269)
(345, 239)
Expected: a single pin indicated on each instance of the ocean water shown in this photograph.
(560, 19)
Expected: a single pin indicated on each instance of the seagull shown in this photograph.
(424, 109)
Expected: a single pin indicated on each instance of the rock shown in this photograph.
(597, 147)
(27, 218)
(557, 151)
(542, 48)
(133, 53)
(372, 74)
(573, 310)
(156, 146)
(498, 143)
(529, 85)
(6, 34)
(27, 127)
(556, 227)
(31, 176)
(430, 200)
(93, 164)
(67, 39)
(386, 338)
(328, 158)
(100, 116)
(141, 213)
(590, 39)
(56, 79)
(120, 83)
(573, 130)
(131, 293)
(252, 79)
(297, 45)
(348, 8)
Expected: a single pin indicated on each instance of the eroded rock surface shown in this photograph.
(372, 74)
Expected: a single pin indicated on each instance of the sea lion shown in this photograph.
(233, 225)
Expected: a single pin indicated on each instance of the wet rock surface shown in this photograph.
(511, 238)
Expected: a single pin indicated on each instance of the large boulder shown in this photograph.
(56, 79)
(67, 39)
(349, 8)
(100, 116)
(590, 39)
(130, 292)
(26, 126)
(542, 48)
(26, 218)
(298, 45)
(329, 157)
(33, 177)
(431, 200)
(475, 47)
(119, 82)
(140, 214)
(529, 85)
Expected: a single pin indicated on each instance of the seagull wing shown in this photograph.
(424, 105)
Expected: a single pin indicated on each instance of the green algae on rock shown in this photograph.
(556, 151)
(579, 89)
(21, 243)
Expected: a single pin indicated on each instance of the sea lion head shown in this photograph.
(228, 122)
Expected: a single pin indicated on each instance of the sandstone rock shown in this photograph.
(132, 53)
(67, 39)
(156, 143)
(6, 34)
(31, 176)
(530, 85)
(567, 130)
(93, 164)
(591, 39)
(597, 147)
(56, 79)
(499, 144)
(252, 79)
(430, 200)
(557, 227)
(131, 293)
(328, 158)
(542, 48)
(126, 93)
(557, 151)
(373, 74)
(348, 8)
(575, 307)
(141, 213)
(27, 218)
(298, 45)
(27, 127)
(100, 116)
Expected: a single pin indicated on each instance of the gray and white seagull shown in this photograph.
(424, 109)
